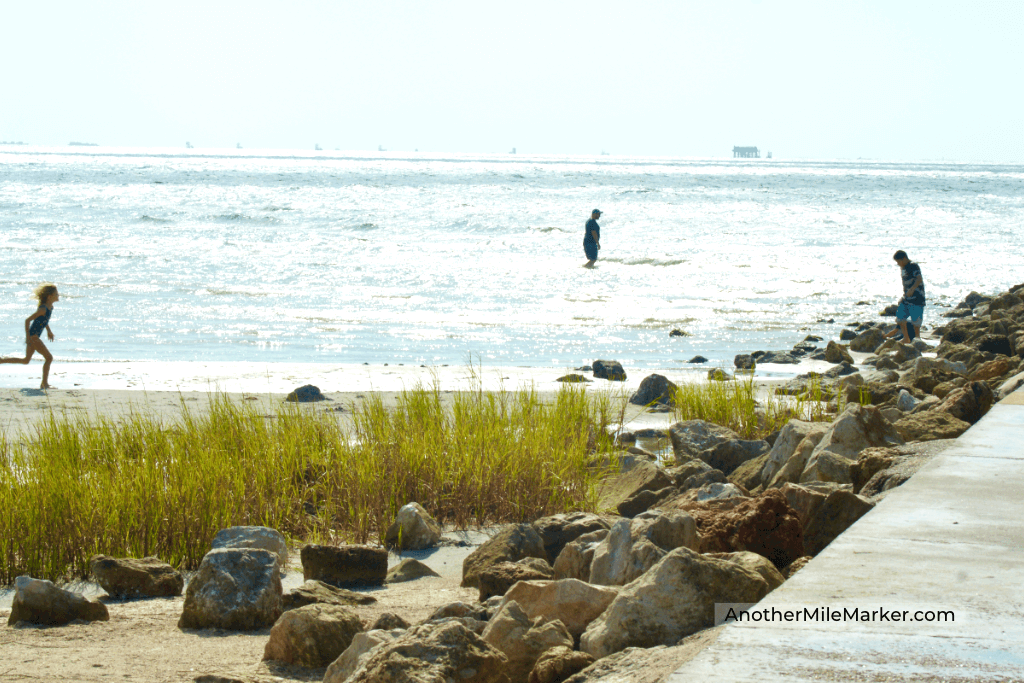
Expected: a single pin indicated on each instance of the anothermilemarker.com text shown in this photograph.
(727, 613)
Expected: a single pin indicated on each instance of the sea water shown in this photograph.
(337, 257)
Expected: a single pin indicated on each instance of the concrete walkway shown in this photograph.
(951, 538)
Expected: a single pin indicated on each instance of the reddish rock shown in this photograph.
(765, 525)
(991, 370)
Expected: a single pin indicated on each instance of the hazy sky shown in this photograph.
(896, 80)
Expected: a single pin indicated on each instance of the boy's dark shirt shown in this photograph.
(910, 273)
(591, 225)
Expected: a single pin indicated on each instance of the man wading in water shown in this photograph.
(911, 306)
(592, 239)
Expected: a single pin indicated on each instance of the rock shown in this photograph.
(998, 344)
(570, 601)
(857, 428)
(319, 593)
(557, 531)
(678, 333)
(691, 437)
(792, 470)
(1009, 386)
(1004, 301)
(413, 529)
(868, 340)
(886, 363)
(706, 477)
(312, 636)
(778, 357)
(905, 352)
(37, 601)
(906, 402)
(870, 461)
(847, 335)
(512, 543)
(253, 537)
(644, 500)
(125, 578)
(680, 473)
(654, 389)
(843, 369)
(433, 653)
(908, 459)
(573, 379)
(676, 598)
(991, 370)
(347, 565)
(610, 370)
(930, 425)
(765, 525)
(748, 475)
(943, 389)
(355, 654)
(644, 476)
(236, 589)
(836, 353)
(458, 610)
(698, 359)
(756, 563)
(497, 579)
(558, 664)
(389, 621)
(619, 558)
(797, 565)
(744, 361)
(575, 559)
(719, 375)
(834, 516)
(803, 500)
(827, 467)
(889, 311)
(645, 665)
(786, 444)
(728, 455)
(716, 491)
(968, 403)
(521, 640)
(408, 569)
(306, 394)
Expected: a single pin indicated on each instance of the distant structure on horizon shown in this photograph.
(83, 144)
(746, 153)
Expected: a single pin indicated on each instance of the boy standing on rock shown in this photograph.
(911, 305)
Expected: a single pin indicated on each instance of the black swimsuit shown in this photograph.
(40, 323)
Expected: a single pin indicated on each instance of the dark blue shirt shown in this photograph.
(592, 226)
(910, 273)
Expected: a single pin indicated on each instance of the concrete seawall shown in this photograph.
(950, 539)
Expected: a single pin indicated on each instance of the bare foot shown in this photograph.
(47, 386)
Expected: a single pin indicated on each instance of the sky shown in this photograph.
(893, 80)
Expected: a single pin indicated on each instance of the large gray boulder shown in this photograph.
(512, 543)
(357, 651)
(37, 601)
(572, 602)
(347, 565)
(634, 546)
(756, 563)
(857, 428)
(868, 340)
(671, 601)
(521, 640)
(253, 537)
(433, 653)
(413, 529)
(691, 437)
(786, 444)
(237, 589)
(129, 577)
(312, 636)
(610, 370)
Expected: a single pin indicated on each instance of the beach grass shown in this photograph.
(735, 404)
(137, 486)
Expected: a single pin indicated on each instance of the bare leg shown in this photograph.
(589, 264)
(903, 328)
(29, 351)
(36, 344)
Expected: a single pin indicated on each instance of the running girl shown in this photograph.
(34, 326)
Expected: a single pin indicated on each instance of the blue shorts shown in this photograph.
(590, 249)
(911, 312)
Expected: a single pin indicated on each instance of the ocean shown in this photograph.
(416, 258)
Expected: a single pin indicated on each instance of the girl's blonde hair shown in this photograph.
(44, 292)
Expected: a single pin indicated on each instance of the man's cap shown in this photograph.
(597, 211)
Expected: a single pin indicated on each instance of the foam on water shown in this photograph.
(349, 258)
